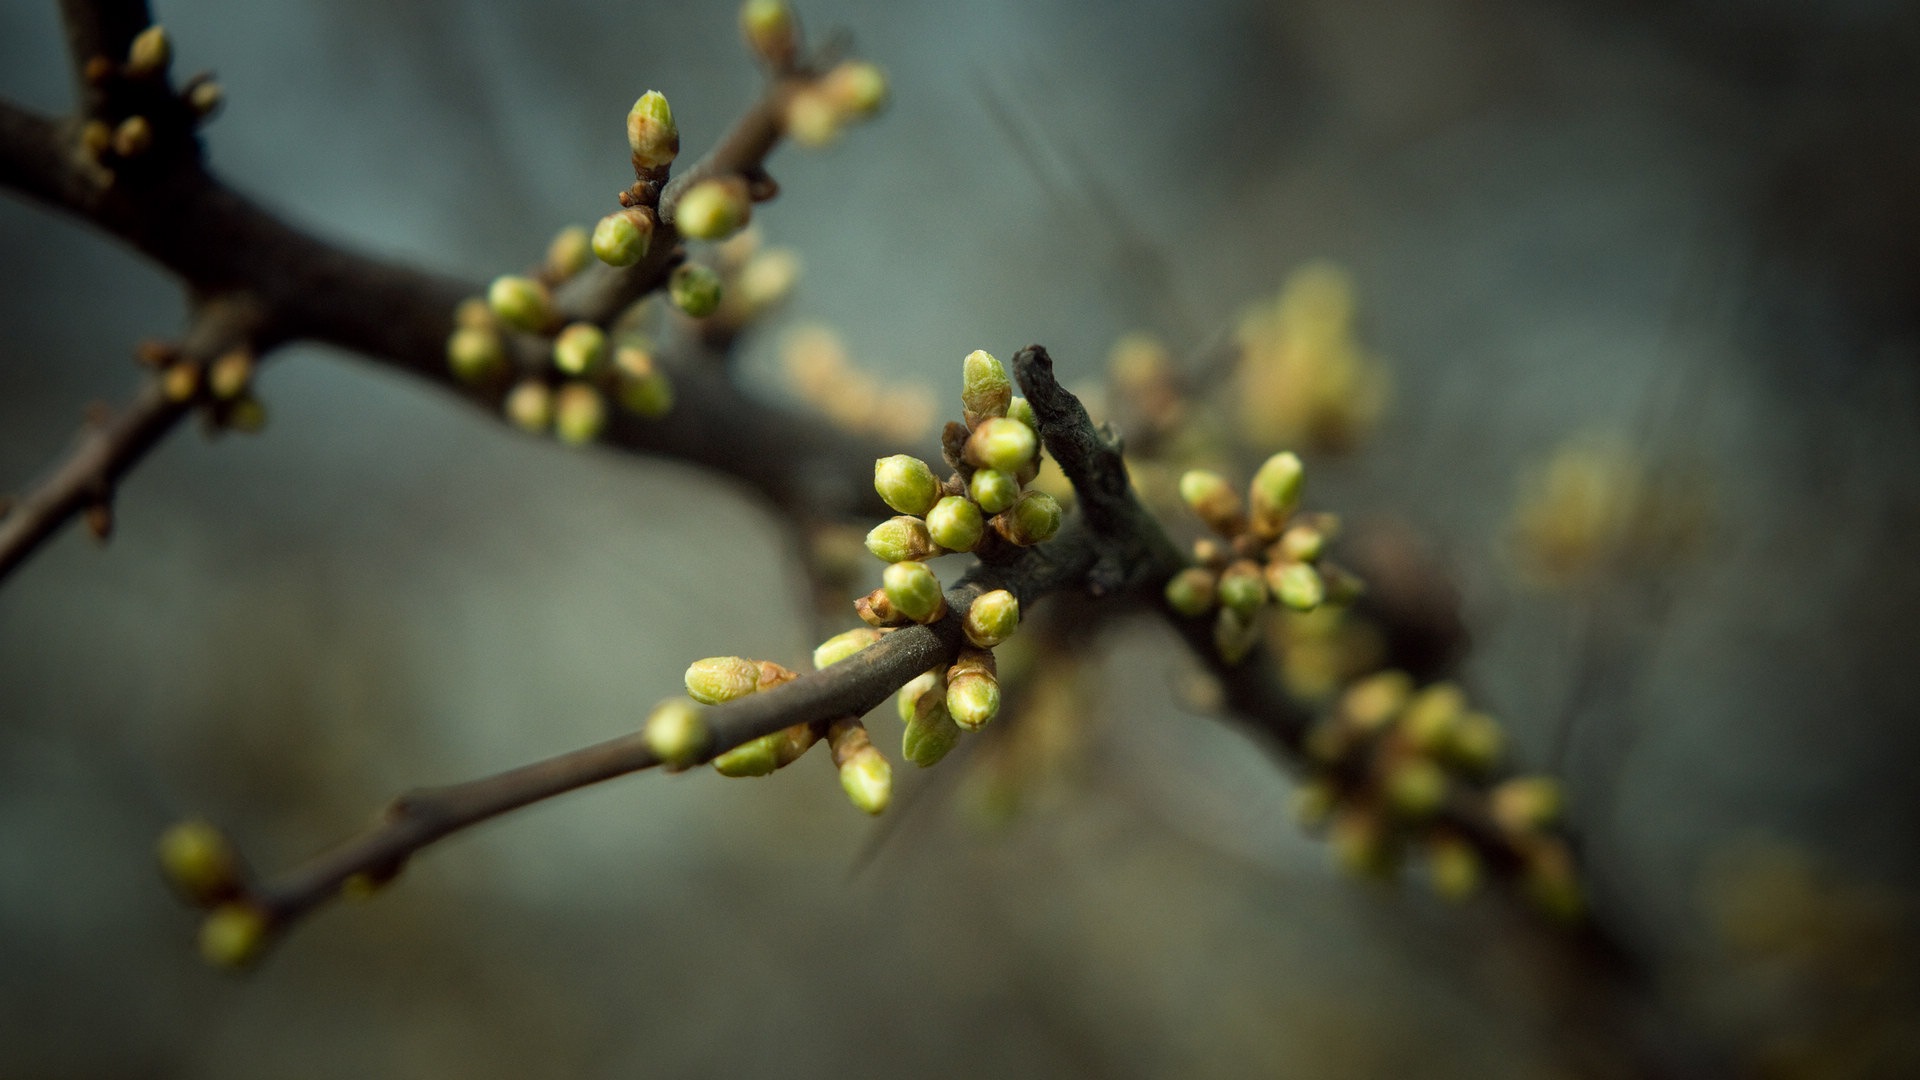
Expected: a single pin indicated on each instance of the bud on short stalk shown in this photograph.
(521, 303)
(720, 679)
(475, 353)
(1297, 585)
(992, 618)
(623, 237)
(580, 348)
(199, 862)
(840, 646)
(579, 413)
(694, 289)
(233, 935)
(1243, 588)
(955, 523)
(1000, 443)
(1191, 591)
(676, 733)
(993, 490)
(1276, 492)
(900, 539)
(530, 406)
(768, 26)
(713, 209)
(149, 54)
(864, 774)
(1213, 500)
(985, 390)
(856, 87)
(915, 592)
(568, 252)
(1033, 519)
(930, 732)
(651, 133)
(973, 691)
(905, 483)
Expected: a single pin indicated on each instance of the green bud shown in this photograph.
(1453, 867)
(840, 646)
(812, 118)
(900, 539)
(973, 698)
(930, 731)
(1416, 787)
(568, 252)
(992, 618)
(914, 591)
(756, 757)
(1303, 543)
(1476, 742)
(530, 406)
(713, 209)
(1033, 519)
(906, 484)
(622, 238)
(793, 744)
(579, 348)
(1000, 443)
(521, 303)
(1276, 491)
(918, 687)
(676, 733)
(476, 353)
(229, 375)
(1526, 803)
(769, 29)
(579, 413)
(1234, 636)
(1243, 588)
(199, 862)
(868, 780)
(955, 523)
(149, 54)
(651, 132)
(985, 391)
(1297, 585)
(1371, 702)
(1191, 591)
(133, 137)
(205, 98)
(719, 679)
(232, 935)
(694, 289)
(1019, 409)
(1431, 717)
(993, 490)
(856, 87)
(1212, 499)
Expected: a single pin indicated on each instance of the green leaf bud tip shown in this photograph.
(651, 133)
(719, 679)
(914, 591)
(530, 406)
(900, 539)
(149, 53)
(1276, 490)
(769, 29)
(985, 390)
(993, 490)
(1033, 519)
(756, 757)
(1243, 587)
(867, 779)
(580, 348)
(713, 209)
(856, 87)
(930, 732)
(676, 733)
(694, 289)
(579, 413)
(1191, 591)
(955, 523)
(1000, 443)
(906, 484)
(1416, 787)
(232, 935)
(568, 252)
(1212, 500)
(917, 687)
(199, 862)
(992, 618)
(521, 303)
(622, 238)
(476, 353)
(1297, 585)
(840, 646)
(1020, 409)
(973, 698)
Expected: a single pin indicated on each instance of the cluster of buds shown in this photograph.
(1263, 551)
(203, 867)
(819, 105)
(819, 371)
(222, 387)
(1394, 766)
(138, 90)
(676, 733)
(1303, 377)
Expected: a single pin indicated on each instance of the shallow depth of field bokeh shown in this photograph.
(1675, 239)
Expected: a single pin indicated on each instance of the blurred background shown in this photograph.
(1597, 246)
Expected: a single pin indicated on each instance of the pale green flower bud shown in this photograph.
(1297, 585)
(906, 484)
(769, 29)
(230, 375)
(623, 237)
(756, 757)
(476, 354)
(530, 406)
(713, 209)
(856, 87)
(973, 699)
(651, 133)
(993, 489)
(864, 774)
(720, 679)
(1243, 588)
(812, 118)
(840, 646)
(1373, 701)
(1525, 803)
(1453, 866)
(955, 523)
(930, 732)
(1000, 443)
(568, 253)
(521, 303)
(580, 348)
(900, 539)
(1432, 716)
(644, 389)
(1191, 591)
(232, 935)
(694, 289)
(1034, 518)
(918, 687)
(1415, 787)
(1276, 491)
(1213, 500)
(676, 733)
(1303, 543)
(992, 618)
(199, 862)
(914, 591)
(149, 53)
(579, 413)
(133, 137)
(985, 390)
